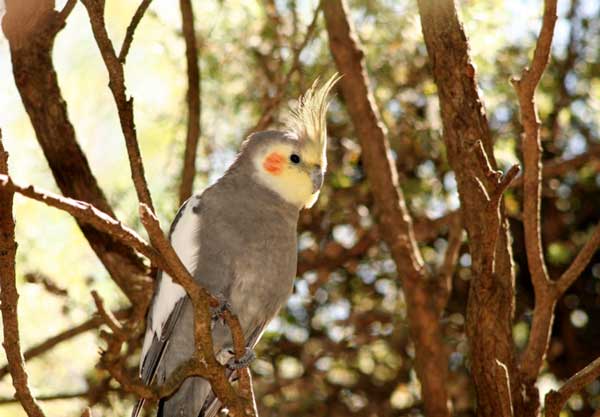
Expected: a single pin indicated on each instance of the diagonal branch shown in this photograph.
(193, 99)
(579, 263)
(86, 213)
(9, 298)
(124, 105)
(67, 9)
(555, 400)
(135, 21)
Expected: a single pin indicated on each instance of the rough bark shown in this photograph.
(193, 101)
(31, 27)
(396, 223)
(491, 296)
(9, 298)
(547, 291)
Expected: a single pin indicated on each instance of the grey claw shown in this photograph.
(217, 312)
(243, 362)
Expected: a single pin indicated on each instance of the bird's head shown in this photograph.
(292, 162)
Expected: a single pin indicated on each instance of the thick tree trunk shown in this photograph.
(491, 297)
(395, 221)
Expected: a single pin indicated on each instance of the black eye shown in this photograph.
(295, 158)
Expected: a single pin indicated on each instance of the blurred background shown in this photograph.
(341, 345)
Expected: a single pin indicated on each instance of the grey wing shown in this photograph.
(155, 343)
(151, 360)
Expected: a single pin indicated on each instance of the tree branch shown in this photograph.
(446, 270)
(469, 148)
(31, 27)
(579, 263)
(60, 396)
(67, 9)
(135, 21)
(47, 282)
(124, 105)
(63, 336)
(193, 99)
(85, 213)
(9, 298)
(546, 291)
(532, 147)
(555, 400)
(396, 223)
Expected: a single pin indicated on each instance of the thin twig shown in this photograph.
(54, 397)
(561, 166)
(273, 103)
(124, 105)
(581, 261)
(66, 10)
(108, 317)
(193, 99)
(555, 400)
(63, 336)
(9, 298)
(444, 280)
(135, 21)
(48, 284)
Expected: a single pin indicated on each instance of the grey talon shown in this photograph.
(243, 362)
(217, 312)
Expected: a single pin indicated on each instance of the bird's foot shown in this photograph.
(242, 362)
(218, 313)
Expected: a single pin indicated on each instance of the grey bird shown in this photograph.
(238, 240)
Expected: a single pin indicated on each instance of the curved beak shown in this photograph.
(316, 176)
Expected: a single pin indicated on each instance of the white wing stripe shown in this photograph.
(186, 244)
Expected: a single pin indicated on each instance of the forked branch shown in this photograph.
(546, 290)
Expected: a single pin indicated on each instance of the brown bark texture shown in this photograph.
(9, 298)
(491, 296)
(31, 27)
(192, 99)
(395, 221)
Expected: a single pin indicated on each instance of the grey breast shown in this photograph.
(256, 234)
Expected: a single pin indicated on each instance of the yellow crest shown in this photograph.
(308, 120)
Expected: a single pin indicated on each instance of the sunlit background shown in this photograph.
(318, 350)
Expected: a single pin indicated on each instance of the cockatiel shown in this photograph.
(238, 240)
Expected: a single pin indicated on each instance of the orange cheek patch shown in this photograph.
(273, 163)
